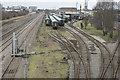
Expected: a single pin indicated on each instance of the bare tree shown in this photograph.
(97, 20)
(85, 20)
(105, 17)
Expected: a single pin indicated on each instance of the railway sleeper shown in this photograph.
(11, 71)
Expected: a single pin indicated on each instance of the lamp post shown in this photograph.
(80, 9)
(76, 7)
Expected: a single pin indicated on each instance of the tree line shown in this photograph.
(105, 16)
(11, 14)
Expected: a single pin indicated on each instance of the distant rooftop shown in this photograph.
(67, 8)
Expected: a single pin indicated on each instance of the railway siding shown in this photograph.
(108, 66)
(94, 54)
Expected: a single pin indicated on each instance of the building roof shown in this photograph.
(71, 12)
(67, 8)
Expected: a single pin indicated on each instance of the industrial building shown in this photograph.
(72, 11)
(67, 9)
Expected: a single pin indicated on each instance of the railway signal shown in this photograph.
(14, 45)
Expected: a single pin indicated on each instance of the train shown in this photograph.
(60, 16)
(53, 22)
(47, 21)
(61, 22)
(65, 17)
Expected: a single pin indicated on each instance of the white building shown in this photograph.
(32, 8)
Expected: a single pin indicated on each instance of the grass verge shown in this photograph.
(93, 31)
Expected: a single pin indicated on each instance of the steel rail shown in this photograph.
(88, 57)
(79, 55)
(65, 45)
(94, 40)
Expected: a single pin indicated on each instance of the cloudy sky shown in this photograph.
(49, 4)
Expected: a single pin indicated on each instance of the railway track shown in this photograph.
(7, 29)
(83, 66)
(67, 46)
(85, 53)
(103, 49)
(6, 37)
(11, 69)
(106, 68)
(76, 60)
(79, 55)
(9, 43)
(108, 60)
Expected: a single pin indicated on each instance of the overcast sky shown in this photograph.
(49, 4)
